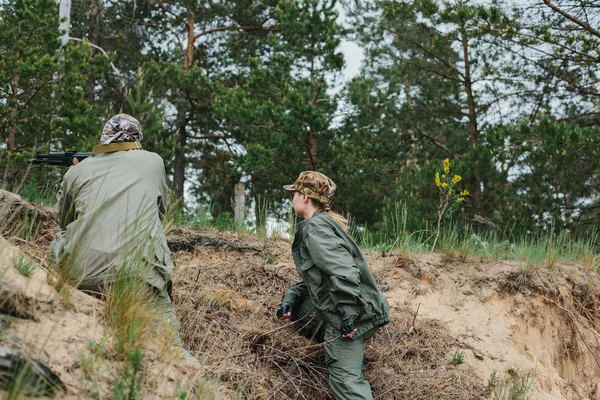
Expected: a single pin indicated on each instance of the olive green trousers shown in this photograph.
(344, 358)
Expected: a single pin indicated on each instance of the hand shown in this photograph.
(75, 162)
(348, 329)
(284, 311)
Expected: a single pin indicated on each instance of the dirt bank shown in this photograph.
(459, 330)
(539, 325)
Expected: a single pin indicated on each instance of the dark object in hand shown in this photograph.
(284, 308)
(348, 325)
(65, 159)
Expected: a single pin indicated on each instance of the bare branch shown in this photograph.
(420, 46)
(435, 142)
(206, 137)
(236, 28)
(117, 72)
(571, 18)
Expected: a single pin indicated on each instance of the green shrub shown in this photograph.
(41, 195)
(224, 222)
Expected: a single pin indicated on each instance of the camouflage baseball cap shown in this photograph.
(121, 128)
(315, 185)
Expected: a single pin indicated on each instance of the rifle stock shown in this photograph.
(64, 159)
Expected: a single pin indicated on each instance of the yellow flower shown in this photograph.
(444, 185)
(437, 179)
(446, 165)
(456, 179)
(464, 193)
(460, 199)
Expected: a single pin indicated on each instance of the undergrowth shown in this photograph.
(541, 249)
(43, 195)
(510, 385)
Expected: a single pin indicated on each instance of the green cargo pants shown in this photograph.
(344, 358)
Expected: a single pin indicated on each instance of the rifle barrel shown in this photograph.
(65, 158)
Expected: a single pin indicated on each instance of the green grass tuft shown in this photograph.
(129, 382)
(511, 385)
(24, 265)
(130, 310)
(458, 357)
(42, 195)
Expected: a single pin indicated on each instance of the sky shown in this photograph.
(354, 56)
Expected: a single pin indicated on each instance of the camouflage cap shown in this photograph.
(121, 128)
(315, 185)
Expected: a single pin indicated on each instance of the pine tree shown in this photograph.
(42, 85)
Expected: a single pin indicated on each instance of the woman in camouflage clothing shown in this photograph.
(338, 300)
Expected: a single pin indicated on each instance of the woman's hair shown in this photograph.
(337, 217)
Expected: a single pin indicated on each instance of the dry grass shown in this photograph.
(24, 220)
(403, 365)
(129, 312)
(259, 357)
(221, 299)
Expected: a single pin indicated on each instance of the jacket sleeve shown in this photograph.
(295, 294)
(163, 190)
(333, 258)
(64, 209)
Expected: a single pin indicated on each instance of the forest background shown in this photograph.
(252, 91)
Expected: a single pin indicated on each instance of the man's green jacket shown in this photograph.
(110, 209)
(335, 275)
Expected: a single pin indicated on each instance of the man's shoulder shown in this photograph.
(143, 157)
(150, 155)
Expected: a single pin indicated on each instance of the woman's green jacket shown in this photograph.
(335, 275)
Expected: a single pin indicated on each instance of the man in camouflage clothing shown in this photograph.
(110, 208)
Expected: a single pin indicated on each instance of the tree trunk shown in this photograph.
(180, 162)
(65, 12)
(91, 83)
(413, 140)
(469, 92)
(474, 181)
(188, 58)
(9, 174)
(13, 116)
(312, 154)
(312, 141)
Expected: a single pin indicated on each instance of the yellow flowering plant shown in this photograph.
(450, 196)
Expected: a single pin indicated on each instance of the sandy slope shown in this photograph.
(66, 332)
(524, 331)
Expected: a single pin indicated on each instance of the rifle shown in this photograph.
(65, 159)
